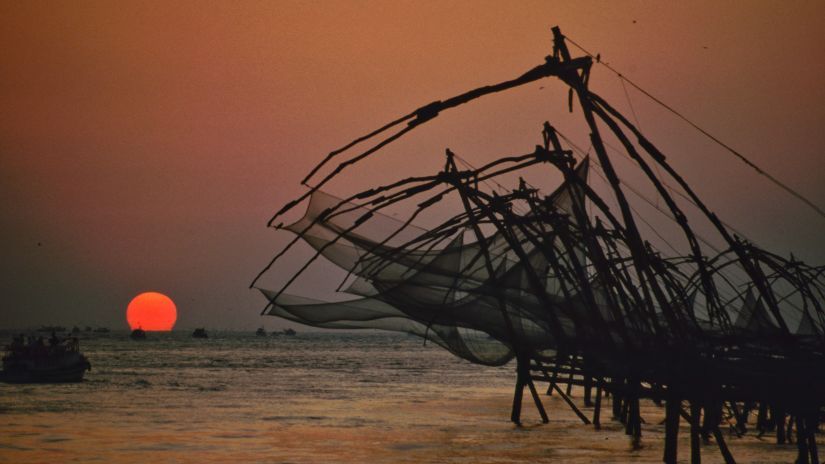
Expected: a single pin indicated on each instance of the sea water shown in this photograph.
(311, 398)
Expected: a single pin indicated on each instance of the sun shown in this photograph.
(151, 311)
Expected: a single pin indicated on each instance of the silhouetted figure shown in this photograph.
(17, 344)
(38, 348)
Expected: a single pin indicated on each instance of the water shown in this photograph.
(312, 398)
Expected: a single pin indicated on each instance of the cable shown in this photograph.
(741, 157)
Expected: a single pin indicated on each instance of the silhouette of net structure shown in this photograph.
(569, 288)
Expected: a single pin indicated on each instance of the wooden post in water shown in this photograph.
(801, 441)
(552, 382)
(695, 433)
(617, 407)
(813, 425)
(723, 447)
(525, 374)
(597, 408)
(779, 422)
(588, 387)
(789, 431)
(515, 414)
(672, 410)
(762, 418)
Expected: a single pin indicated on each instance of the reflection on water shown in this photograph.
(314, 398)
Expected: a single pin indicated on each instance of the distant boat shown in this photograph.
(289, 331)
(138, 334)
(200, 333)
(59, 362)
(260, 332)
(51, 328)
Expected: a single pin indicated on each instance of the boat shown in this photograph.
(36, 362)
(51, 328)
(260, 332)
(200, 333)
(138, 334)
(289, 332)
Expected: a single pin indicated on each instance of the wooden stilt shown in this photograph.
(779, 421)
(588, 387)
(801, 441)
(741, 417)
(762, 418)
(789, 430)
(572, 405)
(672, 409)
(537, 400)
(617, 407)
(813, 426)
(552, 382)
(625, 415)
(635, 421)
(695, 433)
(515, 415)
(597, 409)
(723, 447)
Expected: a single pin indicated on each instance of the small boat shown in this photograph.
(260, 332)
(138, 334)
(59, 362)
(289, 331)
(200, 333)
(51, 328)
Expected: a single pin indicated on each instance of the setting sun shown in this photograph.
(151, 311)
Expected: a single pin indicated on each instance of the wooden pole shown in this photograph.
(597, 408)
(723, 447)
(801, 441)
(695, 433)
(672, 410)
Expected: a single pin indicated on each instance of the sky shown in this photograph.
(144, 145)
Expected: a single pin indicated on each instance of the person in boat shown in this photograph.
(54, 340)
(36, 347)
(18, 345)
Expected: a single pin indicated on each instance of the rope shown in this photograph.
(727, 147)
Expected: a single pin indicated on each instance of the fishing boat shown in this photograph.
(200, 333)
(51, 328)
(261, 332)
(138, 334)
(36, 362)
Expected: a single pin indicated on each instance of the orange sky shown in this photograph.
(143, 145)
